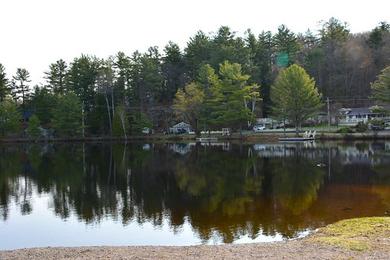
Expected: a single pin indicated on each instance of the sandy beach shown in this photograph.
(298, 249)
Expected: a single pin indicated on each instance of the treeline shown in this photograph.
(125, 93)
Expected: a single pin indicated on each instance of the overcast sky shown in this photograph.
(35, 33)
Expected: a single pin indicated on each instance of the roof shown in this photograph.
(357, 111)
(360, 111)
(27, 114)
(181, 125)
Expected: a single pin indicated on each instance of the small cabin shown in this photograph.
(180, 128)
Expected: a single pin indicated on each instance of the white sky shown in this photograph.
(35, 33)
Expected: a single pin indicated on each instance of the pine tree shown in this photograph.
(56, 76)
(381, 87)
(19, 85)
(10, 118)
(173, 70)
(67, 115)
(4, 89)
(286, 46)
(122, 66)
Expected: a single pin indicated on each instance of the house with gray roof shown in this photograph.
(352, 116)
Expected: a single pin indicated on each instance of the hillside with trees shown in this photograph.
(218, 79)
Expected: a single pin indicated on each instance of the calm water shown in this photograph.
(182, 194)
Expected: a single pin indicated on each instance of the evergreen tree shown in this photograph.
(43, 102)
(334, 31)
(197, 53)
(173, 70)
(33, 127)
(286, 46)
(10, 118)
(56, 76)
(333, 36)
(151, 84)
(122, 65)
(134, 90)
(381, 87)
(210, 84)
(260, 70)
(4, 89)
(67, 115)
(225, 46)
(19, 86)
(375, 38)
(81, 78)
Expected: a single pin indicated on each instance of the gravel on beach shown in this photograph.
(293, 249)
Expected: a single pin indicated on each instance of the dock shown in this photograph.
(206, 139)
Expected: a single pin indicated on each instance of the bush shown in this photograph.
(345, 130)
(361, 127)
(377, 124)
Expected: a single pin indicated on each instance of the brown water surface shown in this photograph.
(182, 194)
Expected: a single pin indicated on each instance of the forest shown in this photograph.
(124, 93)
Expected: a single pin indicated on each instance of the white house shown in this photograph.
(352, 116)
(180, 128)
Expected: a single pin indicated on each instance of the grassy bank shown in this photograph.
(356, 234)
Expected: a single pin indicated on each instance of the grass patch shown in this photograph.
(358, 234)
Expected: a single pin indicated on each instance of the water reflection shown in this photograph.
(224, 190)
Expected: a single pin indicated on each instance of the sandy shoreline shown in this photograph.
(296, 249)
(360, 238)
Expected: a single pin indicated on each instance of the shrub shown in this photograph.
(361, 127)
(345, 130)
(377, 124)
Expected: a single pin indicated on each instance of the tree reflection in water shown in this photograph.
(232, 190)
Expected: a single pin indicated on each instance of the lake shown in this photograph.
(185, 193)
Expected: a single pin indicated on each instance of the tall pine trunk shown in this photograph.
(109, 114)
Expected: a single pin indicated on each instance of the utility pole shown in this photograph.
(82, 122)
(327, 102)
